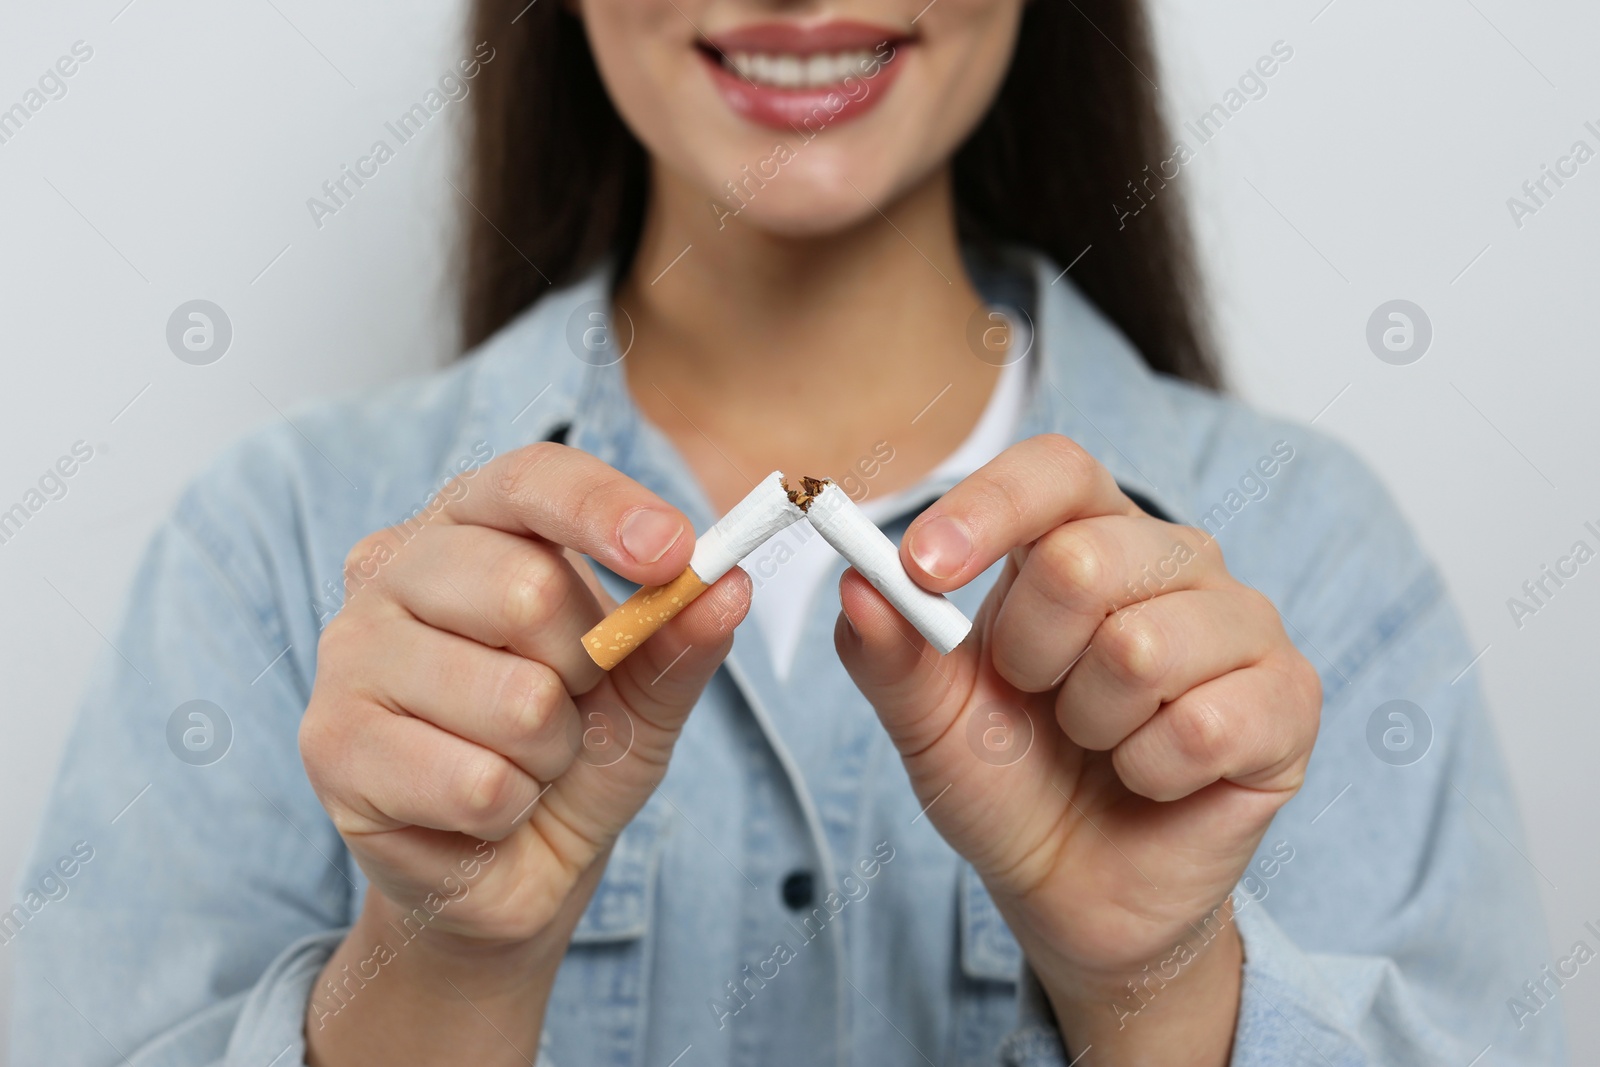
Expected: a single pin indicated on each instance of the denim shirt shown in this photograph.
(1387, 918)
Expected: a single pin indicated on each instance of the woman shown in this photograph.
(873, 240)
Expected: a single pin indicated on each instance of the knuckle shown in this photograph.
(1191, 548)
(1258, 603)
(1136, 650)
(1307, 685)
(602, 501)
(1064, 451)
(505, 477)
(514, 474)
(1076, 569)
(1207, 548)
(528, 698)
(1010, 499)
(453, 490)
(1193, 538)
(341, 643)
(588, 493)
(331, 642)
(366, 558)
(483, 784)
(315, 740)
(532, 593)
(1200, 733)
(325, 752)
(1071, 461)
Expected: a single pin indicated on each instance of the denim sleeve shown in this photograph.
(1417, 916)
(207, 887)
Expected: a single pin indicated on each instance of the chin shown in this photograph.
(805, 210)
(806, 220)
(818, 191)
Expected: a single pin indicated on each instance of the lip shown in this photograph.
(806, 38)
(808, 109)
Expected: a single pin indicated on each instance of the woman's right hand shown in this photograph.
(454, 705)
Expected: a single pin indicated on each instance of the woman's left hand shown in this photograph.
(1108, 745)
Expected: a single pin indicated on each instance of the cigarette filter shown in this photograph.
(767, 509)
(855, 537)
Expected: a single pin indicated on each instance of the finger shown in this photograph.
(502, 591)
(663, 679)
(1157, 650)
(501, 701)
(570, 498)
(503, 891)
(914, 690)
(409, 864)
(633, 718)
(1029, 489)
(411, 773)
(1081, 572)
(1252, 727)
(943, 715)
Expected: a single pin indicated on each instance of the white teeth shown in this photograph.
(789, 71)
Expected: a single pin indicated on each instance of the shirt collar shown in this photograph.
(1096, 389)
(556, 364)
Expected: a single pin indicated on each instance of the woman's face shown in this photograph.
(801, 118)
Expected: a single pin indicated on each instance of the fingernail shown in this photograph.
(941, 547)
(647, 534)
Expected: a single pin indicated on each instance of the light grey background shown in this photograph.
(1377, 166)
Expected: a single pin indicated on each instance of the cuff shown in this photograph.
(271, 1026)
(1036, 1042)
(1289, 1016)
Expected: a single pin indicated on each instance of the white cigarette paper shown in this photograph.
(855, 537)
(762, 513)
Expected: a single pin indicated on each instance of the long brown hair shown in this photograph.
(556, 181)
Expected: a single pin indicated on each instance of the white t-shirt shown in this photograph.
(787, 570)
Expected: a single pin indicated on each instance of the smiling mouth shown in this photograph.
(804, 75)
(791, 70)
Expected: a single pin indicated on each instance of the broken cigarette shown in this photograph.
(855, 537)
(767, 509)
(770, 507)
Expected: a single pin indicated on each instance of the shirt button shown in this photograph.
(798, 890)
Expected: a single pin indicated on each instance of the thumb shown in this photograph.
(661, 681)
(916, 692)
(629, 723)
